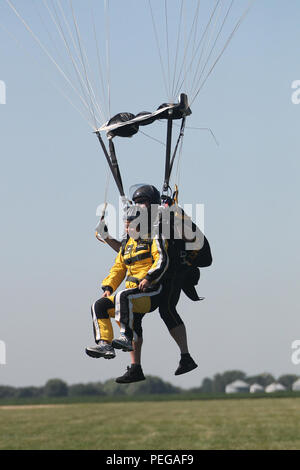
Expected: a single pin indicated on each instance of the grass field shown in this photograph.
(216, 424)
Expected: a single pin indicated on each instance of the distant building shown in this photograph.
(256, 388)
(238, 386)
(275, 387)
(296, 386)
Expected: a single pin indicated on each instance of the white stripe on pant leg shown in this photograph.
(117, 304)
(145, 294)
(118, 311)
(162, 253)
(96, 324)
(135, 336)
(130, 297)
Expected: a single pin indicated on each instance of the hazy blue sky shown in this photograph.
(53, 176)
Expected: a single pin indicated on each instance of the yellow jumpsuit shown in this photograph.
(136, 260)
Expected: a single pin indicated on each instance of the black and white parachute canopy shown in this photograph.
(127, 125)
(191, 37)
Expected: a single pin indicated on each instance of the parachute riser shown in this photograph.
(181, 135)
(168, 152)
(170, 161)
(112, 163)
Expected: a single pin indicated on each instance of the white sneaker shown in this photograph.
(101, 350)
(123, 343)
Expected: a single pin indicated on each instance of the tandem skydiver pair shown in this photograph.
(155, 275)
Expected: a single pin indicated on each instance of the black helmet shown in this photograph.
(146, 192)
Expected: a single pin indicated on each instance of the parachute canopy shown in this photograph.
(127, 124)
(191, 37)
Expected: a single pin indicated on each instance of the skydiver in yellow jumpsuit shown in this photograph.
(143, 261)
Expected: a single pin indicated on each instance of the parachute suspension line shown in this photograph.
(108, 174)
(178, 169)
(186, 48)
(47, 30)
(100, 67)
(12, 7)
(251, 2)
(202, 39)
(58, 23)
(211, 51)
(64, 40)
(75, 107)
(208, 129)
(83, 62)
(152, 138)
(196, 28)
(105, 203)
(21, 46)
(60, 30)
(177, 49)
(107, 31)
(158, 48)
(168, 50)
(207, 43)
(88, 84)
(195, 32)
(175, 89)
(185, 45)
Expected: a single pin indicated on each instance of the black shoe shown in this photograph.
(134, 373)
(186, 364)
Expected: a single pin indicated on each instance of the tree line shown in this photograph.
(216, 384)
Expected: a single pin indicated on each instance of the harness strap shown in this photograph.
(133, 279)
(123, 245)
(137, 258)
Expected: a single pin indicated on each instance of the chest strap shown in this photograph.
(132, 260)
